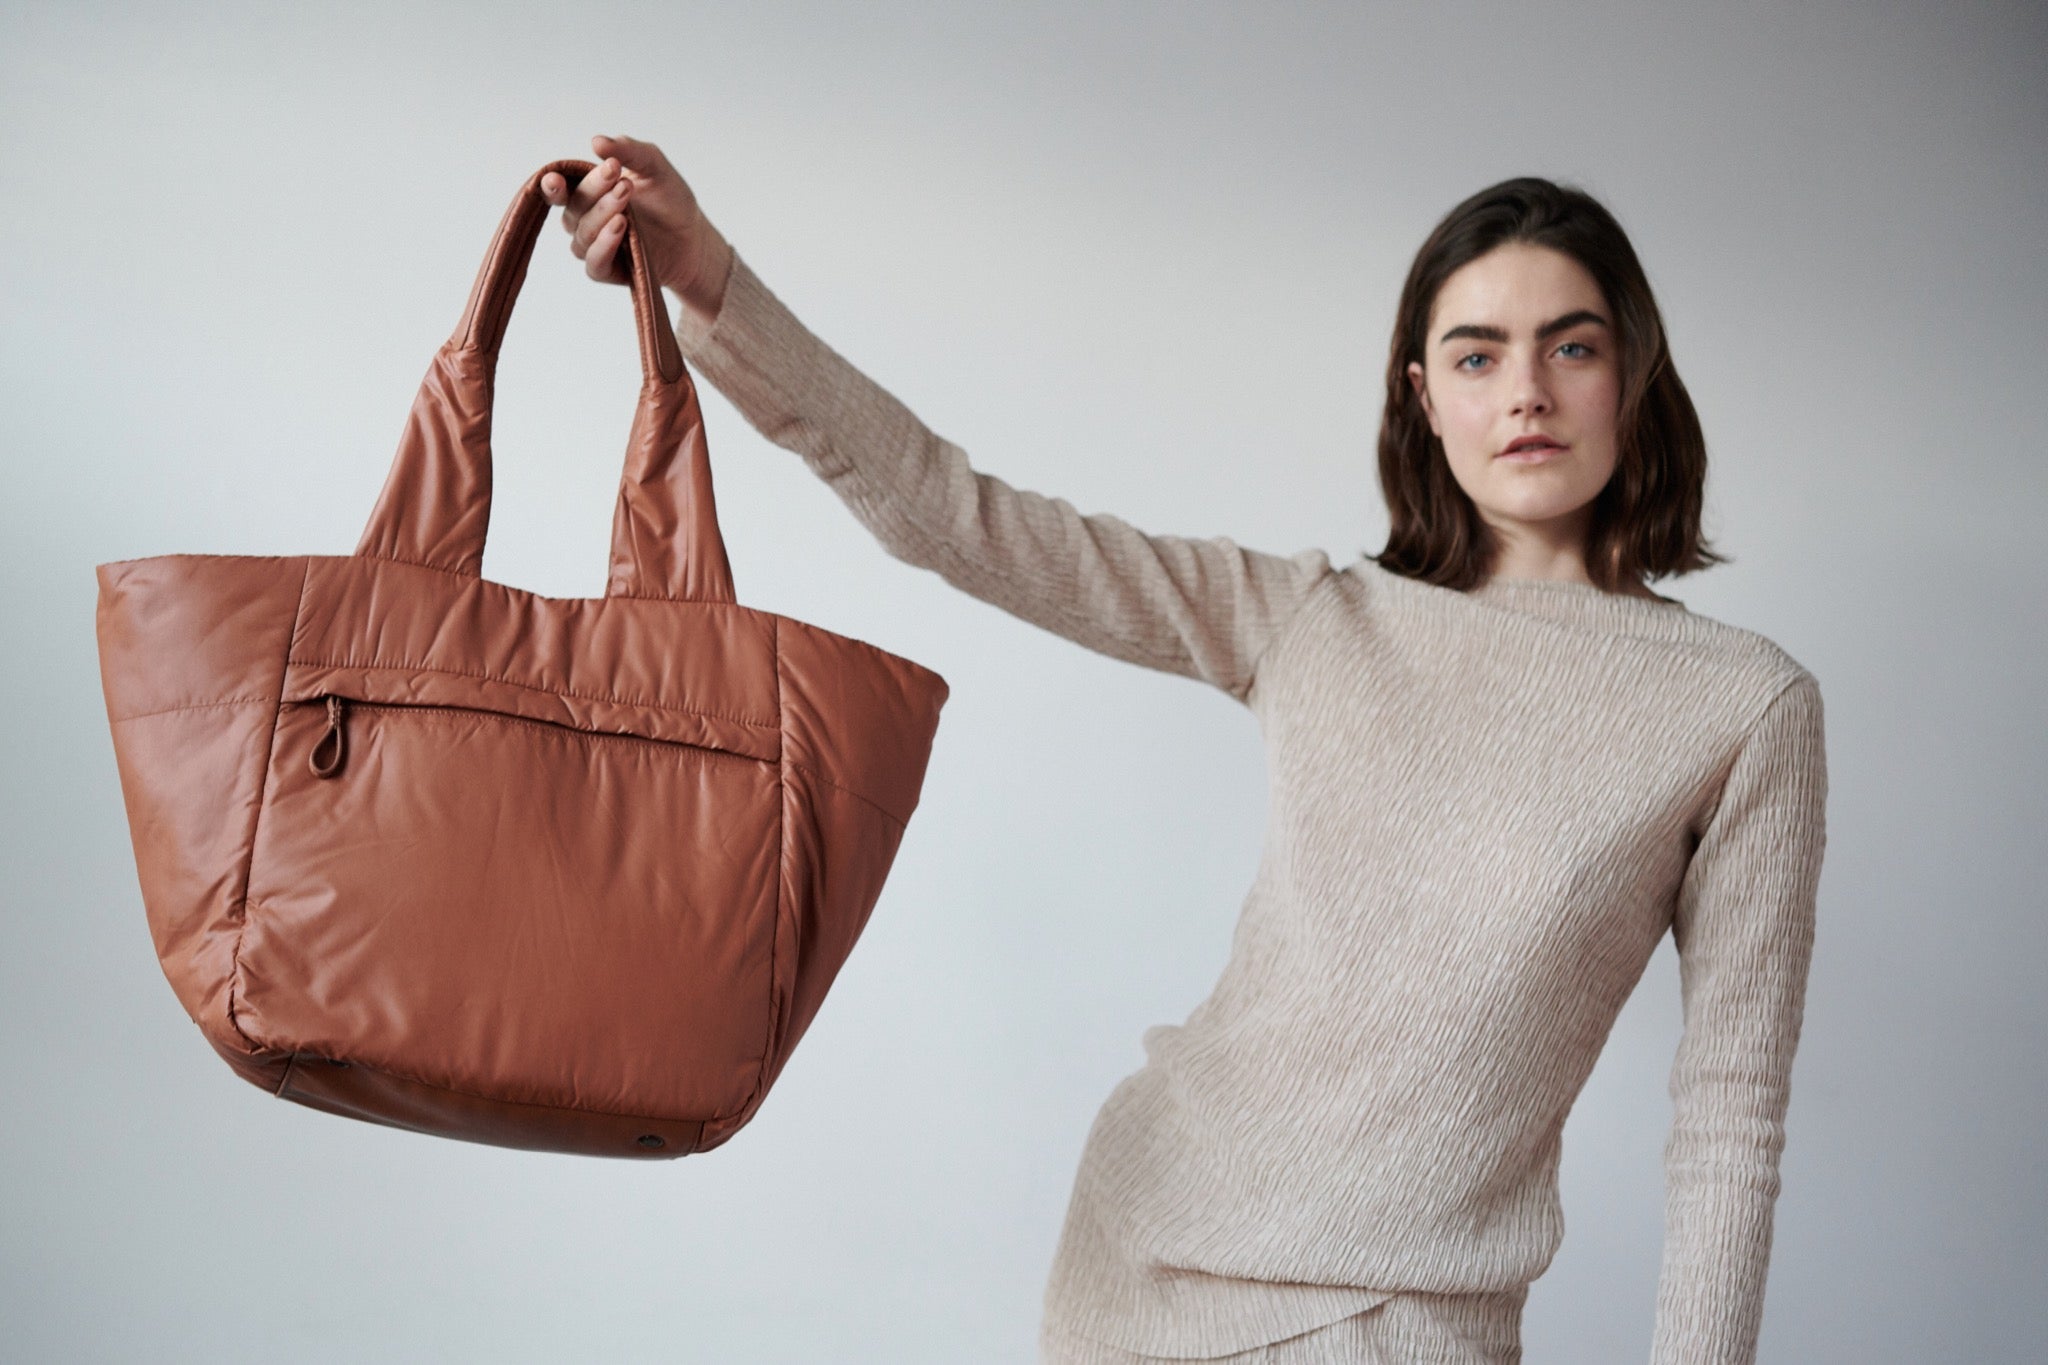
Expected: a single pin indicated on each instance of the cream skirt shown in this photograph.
(1408, 1329)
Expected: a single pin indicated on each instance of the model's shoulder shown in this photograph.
(1752, 652)
(1363, 579)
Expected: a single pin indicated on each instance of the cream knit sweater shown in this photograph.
(1487, 809)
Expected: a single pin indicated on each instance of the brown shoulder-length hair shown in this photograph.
(1646, 521)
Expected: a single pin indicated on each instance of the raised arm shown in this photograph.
(1204, 608)
(1744, 932)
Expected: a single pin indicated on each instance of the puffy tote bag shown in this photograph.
(567, 874)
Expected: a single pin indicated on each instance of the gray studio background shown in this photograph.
(1144, 256)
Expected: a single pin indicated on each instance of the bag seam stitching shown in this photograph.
(399, 1075)
(894, 818)
(479, 578)
(256, 815)
(781, 857)
(195, 706)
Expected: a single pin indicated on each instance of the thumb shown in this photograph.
(631, 152)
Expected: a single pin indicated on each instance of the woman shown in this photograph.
(1501, 769)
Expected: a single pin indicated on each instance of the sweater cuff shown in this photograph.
(756, 352)
(781, 377)
(692, 329)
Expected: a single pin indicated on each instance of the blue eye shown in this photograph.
(1460, 365)
(1580, 344)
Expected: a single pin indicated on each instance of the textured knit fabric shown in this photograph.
(1407, 1329)
(1486, 811)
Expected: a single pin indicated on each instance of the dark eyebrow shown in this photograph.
(1481, 332)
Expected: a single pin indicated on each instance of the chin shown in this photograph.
(1535, 511)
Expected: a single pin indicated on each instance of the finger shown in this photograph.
(574, 203)
(604, 250)
(599, 216)
(592, 188)
(642, 158)
(621, 147)
(554, 187)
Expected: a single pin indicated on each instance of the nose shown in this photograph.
(1529, 396)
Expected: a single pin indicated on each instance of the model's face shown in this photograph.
(1521, 342)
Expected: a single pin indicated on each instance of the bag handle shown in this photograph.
(436, 505)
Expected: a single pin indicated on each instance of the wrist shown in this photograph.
(702, 290)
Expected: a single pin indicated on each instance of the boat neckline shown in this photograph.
(1567, 585)
(1581, 597)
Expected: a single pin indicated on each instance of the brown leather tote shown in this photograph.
(566, 874)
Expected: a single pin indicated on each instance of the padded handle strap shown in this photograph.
(436, 505)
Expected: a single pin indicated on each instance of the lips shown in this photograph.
(1532, 447)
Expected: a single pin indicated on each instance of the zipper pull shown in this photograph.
(335, 736)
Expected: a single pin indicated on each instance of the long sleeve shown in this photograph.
(1204, 609)
(1744, 930)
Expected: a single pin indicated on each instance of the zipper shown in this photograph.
(331, 750)
(336, 736)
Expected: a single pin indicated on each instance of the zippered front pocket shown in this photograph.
(330, 753)
(514, 908)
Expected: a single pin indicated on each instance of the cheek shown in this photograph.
(1594, 408)
(1468, 434)
(1466, 417)
(1597, 398)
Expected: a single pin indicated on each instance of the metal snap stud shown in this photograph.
(652, 1140)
